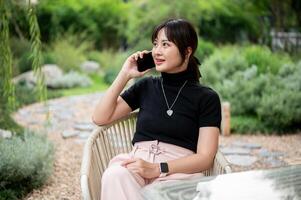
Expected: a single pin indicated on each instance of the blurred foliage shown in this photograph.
(228, 60)
(121, 24)
(20, 51)
(272, 95)
(248, 124)
(264, 59)
(26, 96)
(111, 62)
(280, 105)
(26, 163)
(229, 20)
(222, 64)
(204, 49)
(68, 51)
(102, 20)
(145, 15)
(249, 75)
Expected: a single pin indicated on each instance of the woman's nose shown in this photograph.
(157, 50)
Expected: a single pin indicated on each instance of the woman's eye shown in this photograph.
(165, 44)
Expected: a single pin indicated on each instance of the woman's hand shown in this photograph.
(130, 65)
(143, 168)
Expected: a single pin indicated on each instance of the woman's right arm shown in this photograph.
(112, 106)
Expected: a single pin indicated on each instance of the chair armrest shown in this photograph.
(220, 165)
(102, 145)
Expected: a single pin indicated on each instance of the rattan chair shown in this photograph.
(107, 141)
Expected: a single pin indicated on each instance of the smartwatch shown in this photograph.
(163, 169)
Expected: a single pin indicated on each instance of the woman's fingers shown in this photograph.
(139, 54)
(144, 72)
(136, 55)
(126, 162)
(142, 52)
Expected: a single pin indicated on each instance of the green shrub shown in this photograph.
(247, 124)
(48, 57)
(7, 123)
(25, 63)
(222, 64)
(19, 46)
(204, 50)
(272, 94)
(229, 21)
(143, 16)
(94, 55)
(26, 96)
(280, 108)
(142, 44)
(26, 163)
(21, 55)
(68, 52)
(110, 75)
(112, 62)
(280, 105)
(264, 59)
(104, 20)
(244, 90)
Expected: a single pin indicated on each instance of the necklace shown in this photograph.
(170, 111)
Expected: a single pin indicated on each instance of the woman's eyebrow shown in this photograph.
(164, 40)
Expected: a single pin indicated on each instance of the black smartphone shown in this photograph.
(147, 62)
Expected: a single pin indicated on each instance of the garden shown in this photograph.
(57, 58)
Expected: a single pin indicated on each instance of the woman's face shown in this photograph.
(166, 55)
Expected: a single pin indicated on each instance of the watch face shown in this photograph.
(164, 168)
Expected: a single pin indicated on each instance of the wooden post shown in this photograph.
(226, 116)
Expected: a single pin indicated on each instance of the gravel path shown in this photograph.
(72, 116)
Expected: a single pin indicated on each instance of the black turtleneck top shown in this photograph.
(197, 106)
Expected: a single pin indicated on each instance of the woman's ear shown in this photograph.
(188, 52)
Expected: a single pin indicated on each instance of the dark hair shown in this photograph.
(182, 33)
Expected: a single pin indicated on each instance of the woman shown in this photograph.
(178, 121)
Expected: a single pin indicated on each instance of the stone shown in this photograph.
(89, 66)
(64, 115)
(84, 126)
(241, 160)
(24, 112)
(50, 72)
(69, 133)
(235, 150)
(80, 141)
(273, 162)
(4, 134)
(84, 135)
(246, 145)
(266, 153)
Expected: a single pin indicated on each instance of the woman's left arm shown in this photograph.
(203, 159)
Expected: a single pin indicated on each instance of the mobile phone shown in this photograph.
(147, 62)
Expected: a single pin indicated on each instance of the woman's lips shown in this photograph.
(159, 61)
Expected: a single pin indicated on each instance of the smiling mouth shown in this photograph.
(159, 61)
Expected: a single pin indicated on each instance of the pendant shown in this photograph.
(169, 112)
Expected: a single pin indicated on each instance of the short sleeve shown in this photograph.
(210, 111)
(132, 96)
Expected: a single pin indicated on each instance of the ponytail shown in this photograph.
(193, 65)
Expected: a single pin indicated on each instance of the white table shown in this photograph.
(271, 184)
